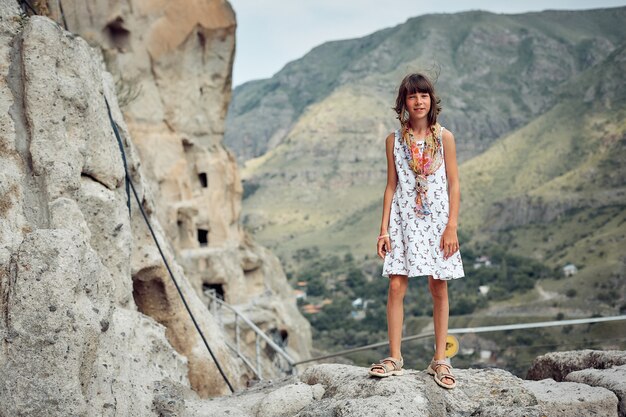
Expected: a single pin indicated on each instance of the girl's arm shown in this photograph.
(452, 173)
(392, 181)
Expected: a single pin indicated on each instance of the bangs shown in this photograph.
(417, 83)
(413, 84)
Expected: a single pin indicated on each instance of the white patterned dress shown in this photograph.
(414, 240)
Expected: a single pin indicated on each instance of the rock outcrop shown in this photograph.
(613, 379)
(596, 368)
(571, 399)
(90, 320)
(171, 72)
(557, 365)
(173, 63)
(344, 390)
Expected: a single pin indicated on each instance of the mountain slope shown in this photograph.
(551, 186)
(497, 71)
(555, 190)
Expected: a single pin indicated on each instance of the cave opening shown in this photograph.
(151, 299)
(203, 237)
(182, 232)
(278, 336)
(118, 35)
(204, 181)
(219, 289)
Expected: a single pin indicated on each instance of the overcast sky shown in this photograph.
(271, 33)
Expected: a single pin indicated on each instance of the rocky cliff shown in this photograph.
(344, 390)
(83, 287)
(176, 57)
(91, 323)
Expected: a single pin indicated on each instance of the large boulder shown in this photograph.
(557, 365)
(345, 390)
(613, 379)
(564, 399)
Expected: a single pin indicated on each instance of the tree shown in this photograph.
(356, 279)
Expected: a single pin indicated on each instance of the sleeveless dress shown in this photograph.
(415, 241)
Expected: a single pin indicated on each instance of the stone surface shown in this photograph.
(178, 57)
(557, 365)
(564, 399)
(91, 323)
(286, 401)
(350, 391)
(123, 327)
(613, 379)
(54, 313)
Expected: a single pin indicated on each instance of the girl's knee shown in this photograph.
(437, 287)
(398, 285)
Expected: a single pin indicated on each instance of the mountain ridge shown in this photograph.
(277, 91)
(550, 187)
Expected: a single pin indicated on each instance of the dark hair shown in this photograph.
(417, 83)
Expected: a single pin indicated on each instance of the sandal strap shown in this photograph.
(443, 374)
(382, 366)
(450, 376)
(436, 364)
(396, 365)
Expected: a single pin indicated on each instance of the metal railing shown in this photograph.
(217, 306)
(217, 303)
(482, 329)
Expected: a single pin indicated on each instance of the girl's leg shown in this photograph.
(395, 313)
(439, 292)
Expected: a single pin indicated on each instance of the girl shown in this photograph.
(418, 233)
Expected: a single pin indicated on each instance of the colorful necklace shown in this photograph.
(423, 163)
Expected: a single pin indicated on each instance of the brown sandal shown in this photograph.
(394, 369)
(434, 368)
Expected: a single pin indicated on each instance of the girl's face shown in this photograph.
(418, 104)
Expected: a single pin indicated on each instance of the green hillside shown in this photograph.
(497, 72)
(537, 103)
(555, 190)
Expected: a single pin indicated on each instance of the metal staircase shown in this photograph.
(233, 321)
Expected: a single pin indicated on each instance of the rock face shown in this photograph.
(557, 365)
(76, 272)
(177, 57)
(62, 172)
(604, 369)
(570, 398)
(344, 390)
(613, 379)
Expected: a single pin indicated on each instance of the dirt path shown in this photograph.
(546, 295)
